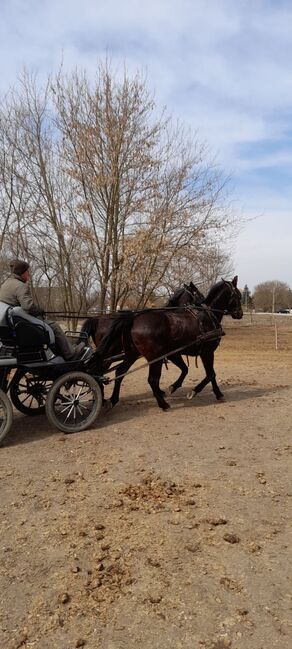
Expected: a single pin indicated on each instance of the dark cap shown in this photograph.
(18, 266)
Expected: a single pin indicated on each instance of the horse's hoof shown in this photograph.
(221, 398)
(169, 391)
(107, 405)
(191, 394)
(165, 407)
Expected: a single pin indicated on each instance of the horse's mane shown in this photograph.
(214, 290)
(175, 297)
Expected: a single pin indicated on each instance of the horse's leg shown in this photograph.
(207, 357)
(177, 360)
(218, 394)
(101, 385)
(153, 380)
(208, 362)
(121, 369)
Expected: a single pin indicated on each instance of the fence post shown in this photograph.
(276, 337)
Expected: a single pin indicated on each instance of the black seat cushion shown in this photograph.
(29, 335)
(7, 336)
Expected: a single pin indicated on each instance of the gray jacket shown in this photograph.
(16, 292)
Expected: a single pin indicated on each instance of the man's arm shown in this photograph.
(26, 301)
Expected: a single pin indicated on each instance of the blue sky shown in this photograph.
(222, 67)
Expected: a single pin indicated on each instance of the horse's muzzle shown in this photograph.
(237, 315)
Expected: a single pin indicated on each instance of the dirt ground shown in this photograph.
(159, 530)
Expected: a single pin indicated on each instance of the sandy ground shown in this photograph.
(159, 530)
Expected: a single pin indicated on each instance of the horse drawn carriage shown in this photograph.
(39, 380)
(71, 392)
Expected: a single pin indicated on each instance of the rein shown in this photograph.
(110, 316)
(71, 315)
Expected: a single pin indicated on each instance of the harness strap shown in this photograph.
(209, 335)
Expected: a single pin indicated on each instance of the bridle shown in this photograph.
(234, 294)
(192, 295)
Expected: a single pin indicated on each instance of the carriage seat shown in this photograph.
(26, 330)
(5, 333)
(3, 314)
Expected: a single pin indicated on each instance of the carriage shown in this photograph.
(71, 393)
(39, 380)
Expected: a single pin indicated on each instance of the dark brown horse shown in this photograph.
(160, 334)
(97, 328)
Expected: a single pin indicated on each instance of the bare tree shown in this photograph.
(39, 194)
(272, 295)
(109, 200)
(146, 190)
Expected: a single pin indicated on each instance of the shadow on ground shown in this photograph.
(29, 429)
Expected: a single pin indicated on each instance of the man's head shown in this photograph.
(21, 268)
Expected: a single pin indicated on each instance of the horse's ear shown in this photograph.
(192, 286)
(235, 280)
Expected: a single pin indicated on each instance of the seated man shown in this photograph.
(15, 292)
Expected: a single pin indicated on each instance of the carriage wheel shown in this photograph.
(29, 392)
(5, 415)
(74, 402)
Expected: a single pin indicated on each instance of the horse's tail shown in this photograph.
(89, 327)
(120, 325)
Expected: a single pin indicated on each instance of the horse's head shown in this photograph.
(188, 294)
(192, 291)
(233, 307)
(225, 298)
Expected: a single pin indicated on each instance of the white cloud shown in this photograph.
(280, 159)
